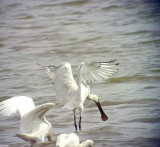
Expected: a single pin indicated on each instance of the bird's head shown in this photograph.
(95, 98)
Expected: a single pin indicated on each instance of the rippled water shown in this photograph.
(49, 32)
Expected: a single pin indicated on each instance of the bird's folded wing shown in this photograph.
(98, 71)
(39, 111)
(44, 144)
(68, 140)
(26, 137)
(21, 104)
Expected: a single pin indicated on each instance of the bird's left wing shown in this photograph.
(32, 120)
(64, 83)
(50, 70)
(98, 71)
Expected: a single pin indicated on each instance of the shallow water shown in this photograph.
(49, 32)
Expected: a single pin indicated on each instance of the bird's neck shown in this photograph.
(79, 78)
(47, 122)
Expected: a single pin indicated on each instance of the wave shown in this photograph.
(149, 42)
(146, 120)
(112, 7)
(75, 3)
(137, 32)
(133, 78)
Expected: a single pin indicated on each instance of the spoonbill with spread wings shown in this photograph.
(71, 94)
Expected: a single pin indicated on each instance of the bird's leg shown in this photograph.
(80, 118)
(50, 137)
(75, 124)
(80, 123)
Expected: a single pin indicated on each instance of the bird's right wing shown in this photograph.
(21, 104)
(40, 111)
(32, 121)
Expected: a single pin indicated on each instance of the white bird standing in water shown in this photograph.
(33, 125)
(72, 140)
(71, 94)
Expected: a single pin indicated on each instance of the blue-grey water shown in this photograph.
(48, 32)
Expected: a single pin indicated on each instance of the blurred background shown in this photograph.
(49, 32)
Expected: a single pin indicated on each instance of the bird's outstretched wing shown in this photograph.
(98, 71)
(50, 70)
(32, 121)
(64, 83)
(40, 111)
(21, 104)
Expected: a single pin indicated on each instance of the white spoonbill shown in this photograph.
(72, 140)
(71, 94)
(33, 125)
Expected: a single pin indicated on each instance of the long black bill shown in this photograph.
(103, 115)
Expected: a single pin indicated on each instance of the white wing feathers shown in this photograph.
(21, 104)
(98, 71)
(40, 111)
(31, 122)
(50, 70)
(91, 71)
(26, 137)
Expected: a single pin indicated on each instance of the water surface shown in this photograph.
(49, 32)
